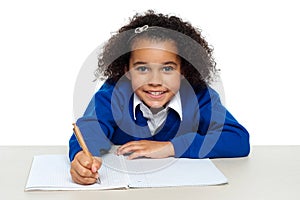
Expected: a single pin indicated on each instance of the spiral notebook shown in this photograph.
(52, 172)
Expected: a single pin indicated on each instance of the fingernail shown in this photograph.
(94, 169)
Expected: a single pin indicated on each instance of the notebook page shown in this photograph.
(52, 172)
(138, 169)
(115, 168)
(179, 172)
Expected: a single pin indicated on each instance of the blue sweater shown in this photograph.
(207, 129)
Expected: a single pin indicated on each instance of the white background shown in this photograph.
(43, 45)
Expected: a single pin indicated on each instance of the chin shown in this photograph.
(156, 106)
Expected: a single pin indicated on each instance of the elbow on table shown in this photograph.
(244, 148)
(236, 147)
(244, 151)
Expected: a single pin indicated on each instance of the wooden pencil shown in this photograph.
(82, 144)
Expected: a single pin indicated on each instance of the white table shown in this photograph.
(270, 172)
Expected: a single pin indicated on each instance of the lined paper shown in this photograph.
(52, 172)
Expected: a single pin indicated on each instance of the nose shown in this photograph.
(155, 78)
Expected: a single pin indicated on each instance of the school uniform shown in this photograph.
(196, 123)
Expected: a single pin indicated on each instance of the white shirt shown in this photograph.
(156, 120)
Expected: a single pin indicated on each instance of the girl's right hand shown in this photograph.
(84, 170)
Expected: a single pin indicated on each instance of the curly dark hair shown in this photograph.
(197, 63)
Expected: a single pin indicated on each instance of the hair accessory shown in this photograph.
(141, 29)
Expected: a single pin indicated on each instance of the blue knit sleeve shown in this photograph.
(219, 133)
(96, 125)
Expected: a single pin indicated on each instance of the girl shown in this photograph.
(156, 101)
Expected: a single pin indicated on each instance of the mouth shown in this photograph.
(155, 94)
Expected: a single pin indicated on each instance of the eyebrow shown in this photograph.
(144, 63)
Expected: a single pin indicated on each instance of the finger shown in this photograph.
(84, 159)
(127, 145)
(81, 180)
(81, 175)
(82, 170)
(137, 154)
(97, 162)
(131, 149)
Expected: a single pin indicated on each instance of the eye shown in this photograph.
(142, 68)
(167, 68)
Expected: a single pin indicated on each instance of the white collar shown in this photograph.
(175, 104)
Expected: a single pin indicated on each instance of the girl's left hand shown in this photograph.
(147, 148)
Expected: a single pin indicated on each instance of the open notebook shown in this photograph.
(52, 172)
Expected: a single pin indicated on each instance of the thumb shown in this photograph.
(97, 162)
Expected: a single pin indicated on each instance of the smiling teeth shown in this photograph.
(156, 93)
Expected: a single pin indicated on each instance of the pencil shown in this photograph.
(82, 144)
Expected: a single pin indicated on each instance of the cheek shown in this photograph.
(137, 82)
(173, 83)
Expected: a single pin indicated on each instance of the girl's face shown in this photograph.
(154, 71)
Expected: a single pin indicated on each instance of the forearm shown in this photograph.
(212, 145)
(74, 147)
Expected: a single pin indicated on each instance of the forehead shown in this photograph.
(154, 51)
(164, 45)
